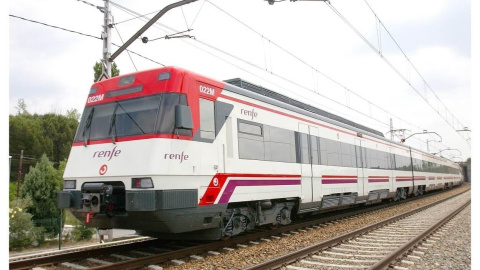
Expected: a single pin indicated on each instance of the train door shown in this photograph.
(361, 164)
(391, 165)
(308, 153)
(207, 151)
(224, 137)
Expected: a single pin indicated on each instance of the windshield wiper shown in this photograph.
(112, 124)
(129, 116)
(87, 127)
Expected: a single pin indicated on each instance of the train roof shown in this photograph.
(282, 98)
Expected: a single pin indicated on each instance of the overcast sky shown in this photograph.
(300, 49)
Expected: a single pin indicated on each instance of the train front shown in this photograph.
(127, 165)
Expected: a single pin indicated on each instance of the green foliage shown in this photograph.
(51, 134)
(22, 230)
(70, 219)
(41, 185)
(73, 114)
(12, 194)
(26, 133)
(59, 131)
(22, 107)
(82, 232)
(97, 70)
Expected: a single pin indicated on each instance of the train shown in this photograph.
(174, 154)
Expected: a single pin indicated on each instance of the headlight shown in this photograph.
(69, 184)
(144, 182)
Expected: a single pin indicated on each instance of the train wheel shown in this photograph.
(401, 194)
(420, 190)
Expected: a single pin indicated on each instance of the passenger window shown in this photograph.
(333, 153)
(250, 140)
(207, 119)
(248, 128)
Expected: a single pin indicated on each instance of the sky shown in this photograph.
(301, 49)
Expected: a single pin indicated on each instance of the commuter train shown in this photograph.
(174, 154)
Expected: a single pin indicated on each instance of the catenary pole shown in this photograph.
(106, 36)
(19, 173)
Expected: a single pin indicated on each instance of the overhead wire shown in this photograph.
(379, 52)
(143, 17)
(116, 28)
(313, 68)
(242, 60)
(198, 12)
(328, 77)
(83, 34)
(309, 65)
(53, 26)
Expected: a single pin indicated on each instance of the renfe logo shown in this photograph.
(107, 154)
(207, 90)
(180, 157)
(252, 113)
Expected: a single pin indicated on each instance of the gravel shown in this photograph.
(453, 249)
(254, 254)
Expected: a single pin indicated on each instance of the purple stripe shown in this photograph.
(232, 184)
(376, 180)
(339, 181)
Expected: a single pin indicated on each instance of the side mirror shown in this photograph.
(183, 117)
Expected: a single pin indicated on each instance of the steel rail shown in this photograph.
(53, 258)
(395, 255)
(302, 253)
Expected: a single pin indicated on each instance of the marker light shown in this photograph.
(69, 184)
(144, 182)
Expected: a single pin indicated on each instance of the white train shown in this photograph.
(171, 153)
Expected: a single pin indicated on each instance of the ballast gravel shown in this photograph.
(242, 257)
(453, 249)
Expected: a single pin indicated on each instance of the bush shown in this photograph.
(22, 230)
(41, 185)
(12, 194)
(81, 232)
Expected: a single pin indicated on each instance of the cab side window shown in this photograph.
(207, 119)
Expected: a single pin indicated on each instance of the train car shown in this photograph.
(171, 153)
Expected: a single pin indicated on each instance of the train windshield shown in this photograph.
(139, 116)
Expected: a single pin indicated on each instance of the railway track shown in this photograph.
(393, 242)
(147, 252)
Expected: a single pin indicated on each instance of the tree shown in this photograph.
(26, 133)
(41, 185)
(97, 69)
(22, 230)
(59, 130)
(21, 107)
(51, 134)
(73, 114)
